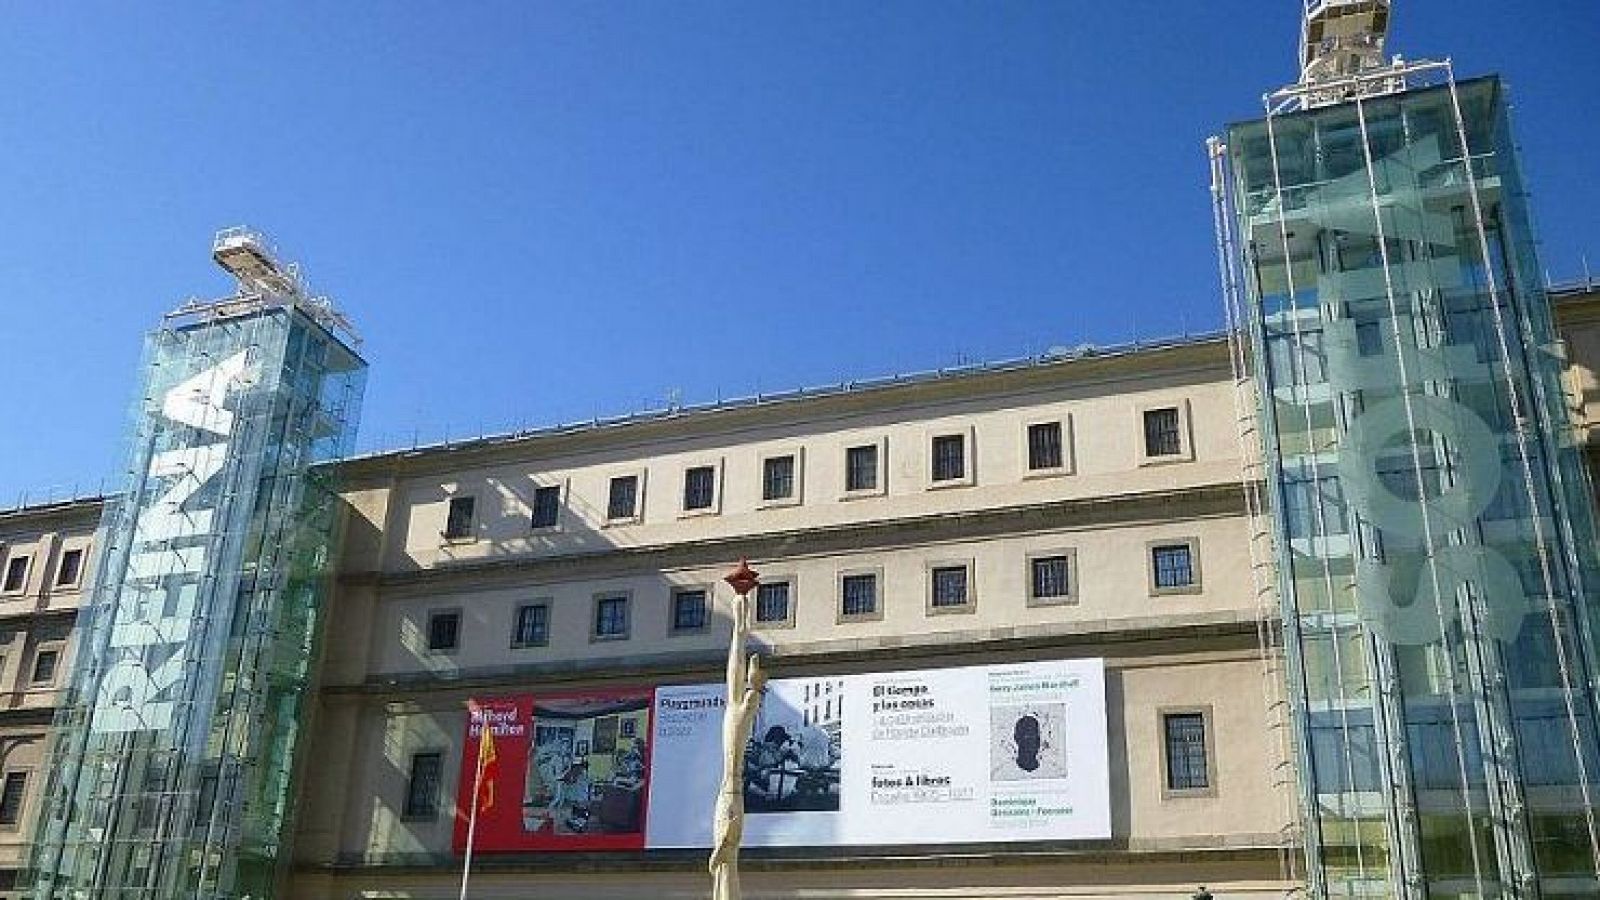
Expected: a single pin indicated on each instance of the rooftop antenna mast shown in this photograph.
(1341, 41)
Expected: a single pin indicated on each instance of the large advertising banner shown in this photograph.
(986, 753)
(570, 772)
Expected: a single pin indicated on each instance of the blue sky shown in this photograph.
(543, 212)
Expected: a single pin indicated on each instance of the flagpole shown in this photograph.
(472, 817)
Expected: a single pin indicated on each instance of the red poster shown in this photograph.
(571, 771)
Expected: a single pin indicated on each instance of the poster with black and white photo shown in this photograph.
(983, 753)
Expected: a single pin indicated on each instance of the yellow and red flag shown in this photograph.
(488, 768)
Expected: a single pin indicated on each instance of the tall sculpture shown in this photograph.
(746, 681)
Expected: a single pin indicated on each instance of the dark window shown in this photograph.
(1049, 577)
(1161, 437)
(611, 617)
(71, 567)
(777, 478)
(1186, 751)
(949, 457)
(772, 602)
(1173, 566)
(688, 610)
(16, 572)
(533, 626)
(1044, 446)
(11, 797)
(950, 586)
(624, 500)
(444, 630)
(422, 788)
(546, 506)
(44, 666)
(459, 523)
(861, 468)
(860, 595)
(699, 487)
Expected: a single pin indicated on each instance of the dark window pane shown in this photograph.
(688, 610)
(422, 789)
(611, 617)
(860, 594)
(16, 571)
(861, 468)
(71, 567)
(533, 626)
(1049, 577)
(1186, 751)
(699, 487)
(444, 630)
(1173, 567)
(624, 497)
(459, 522)
(44, 666)
(772, 602)
(1044, 446)
(11, 797)
(1161, 436)
(950, 586)
(949, 457)
(546, 506)
(777, 478)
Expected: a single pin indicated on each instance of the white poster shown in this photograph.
(985, 753)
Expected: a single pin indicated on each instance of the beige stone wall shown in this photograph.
(37, 621)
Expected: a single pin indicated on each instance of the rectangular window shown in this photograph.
(71, 567)
(546, 506)
(777, 478)
(1044, 446)
(12, 794)
(949, 587)
(1161, 433)
(858, 595)
(458, 524)
(611, 617)
(1186, 751)
(699, 487)
(444, 631)
(772, 602)
(949, 457)
(1173, 566)
(623, 502)
(533, 626)
(16, 574)
(422, 788)
(1049, 578)
(44, 666)
(689, 610)
(861, 468)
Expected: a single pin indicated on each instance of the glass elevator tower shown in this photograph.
(1432, 523)
(172, 760)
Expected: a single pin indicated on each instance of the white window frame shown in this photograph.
(1074, 576)
(59, 648)
(969, 457)
(564, 487)
(715, 509)
(83, 565)
(672, 609)
(638, 498)
(794, 602)
(880, 601)
(882, 487)
(797, 496)
(971, 604)
(1069, 462)
(1185, 432)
